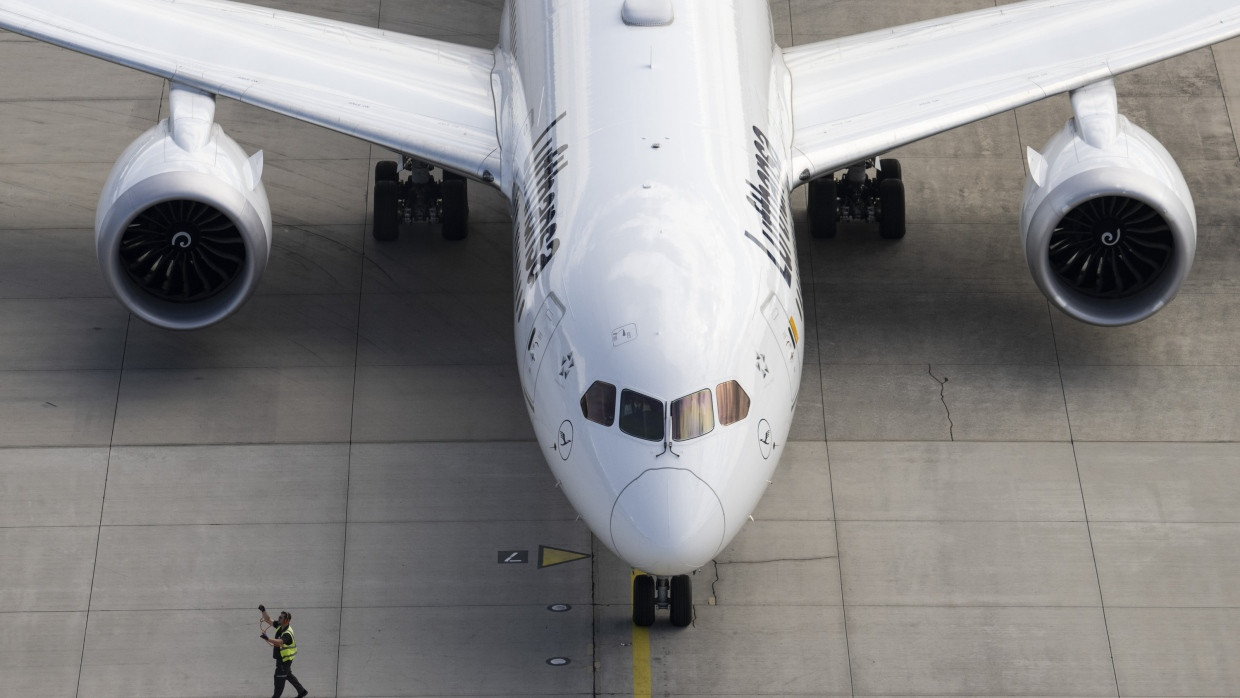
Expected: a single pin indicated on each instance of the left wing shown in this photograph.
(425, 98)
(864, 95)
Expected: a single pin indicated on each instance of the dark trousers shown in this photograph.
(284, 672)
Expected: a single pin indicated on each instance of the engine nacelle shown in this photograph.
(183, 229)
(1107, 220)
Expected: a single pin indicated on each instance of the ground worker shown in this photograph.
(283, 649)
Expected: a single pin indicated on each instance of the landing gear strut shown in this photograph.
(672, 593)
(858, 197)
(418, 198)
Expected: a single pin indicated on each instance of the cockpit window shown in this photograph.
(599, 403)
(641, 416)
(692, 416)
(733, 402)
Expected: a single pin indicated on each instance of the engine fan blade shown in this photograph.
(182, 251)
(1111, 247)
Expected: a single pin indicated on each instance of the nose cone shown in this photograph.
(667, 522)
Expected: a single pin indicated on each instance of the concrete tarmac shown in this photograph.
(981, 497)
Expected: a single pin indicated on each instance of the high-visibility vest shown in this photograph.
(289, 650)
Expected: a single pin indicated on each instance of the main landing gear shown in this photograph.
(859, 197)
(674, 593)
(418, 198)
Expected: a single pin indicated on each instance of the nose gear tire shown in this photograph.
(643, 600)
(682, 600)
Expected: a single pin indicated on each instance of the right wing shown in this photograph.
(864, 95)
(425, 98)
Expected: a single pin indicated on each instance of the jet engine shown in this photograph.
(1107, 220)
(183, 229)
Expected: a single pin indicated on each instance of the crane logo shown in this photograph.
(564, 440)
(766, 440)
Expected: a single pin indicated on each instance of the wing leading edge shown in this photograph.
(426, 98)
(860, 96)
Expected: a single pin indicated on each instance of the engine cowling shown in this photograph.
(1107, 220)
(183, 228)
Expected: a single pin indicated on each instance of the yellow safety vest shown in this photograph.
(289, 650)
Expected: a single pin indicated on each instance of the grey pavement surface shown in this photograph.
(982, 497)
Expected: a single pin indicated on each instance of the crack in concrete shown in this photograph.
(714, 597)
(716, 581)
(951, 426)
(778, 559)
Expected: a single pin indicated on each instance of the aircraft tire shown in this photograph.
(454, 194)
(682, 600)
(891, 198)
(891, 169)
(386, 170)
(823, 208)
(386, 224)
(643, 600)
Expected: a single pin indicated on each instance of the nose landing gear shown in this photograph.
(673, 593)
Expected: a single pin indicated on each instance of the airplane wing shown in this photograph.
(425, 98)
(861, 96)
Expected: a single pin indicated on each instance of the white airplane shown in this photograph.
(648, 149)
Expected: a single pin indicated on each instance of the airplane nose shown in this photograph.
(667, 522)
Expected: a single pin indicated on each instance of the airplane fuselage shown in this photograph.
(653, 260)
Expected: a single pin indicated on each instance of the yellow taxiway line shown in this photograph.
(641, 655)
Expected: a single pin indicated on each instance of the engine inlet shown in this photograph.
(1111, 247)
(182, 251)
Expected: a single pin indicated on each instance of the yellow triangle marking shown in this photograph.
(548, 557)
